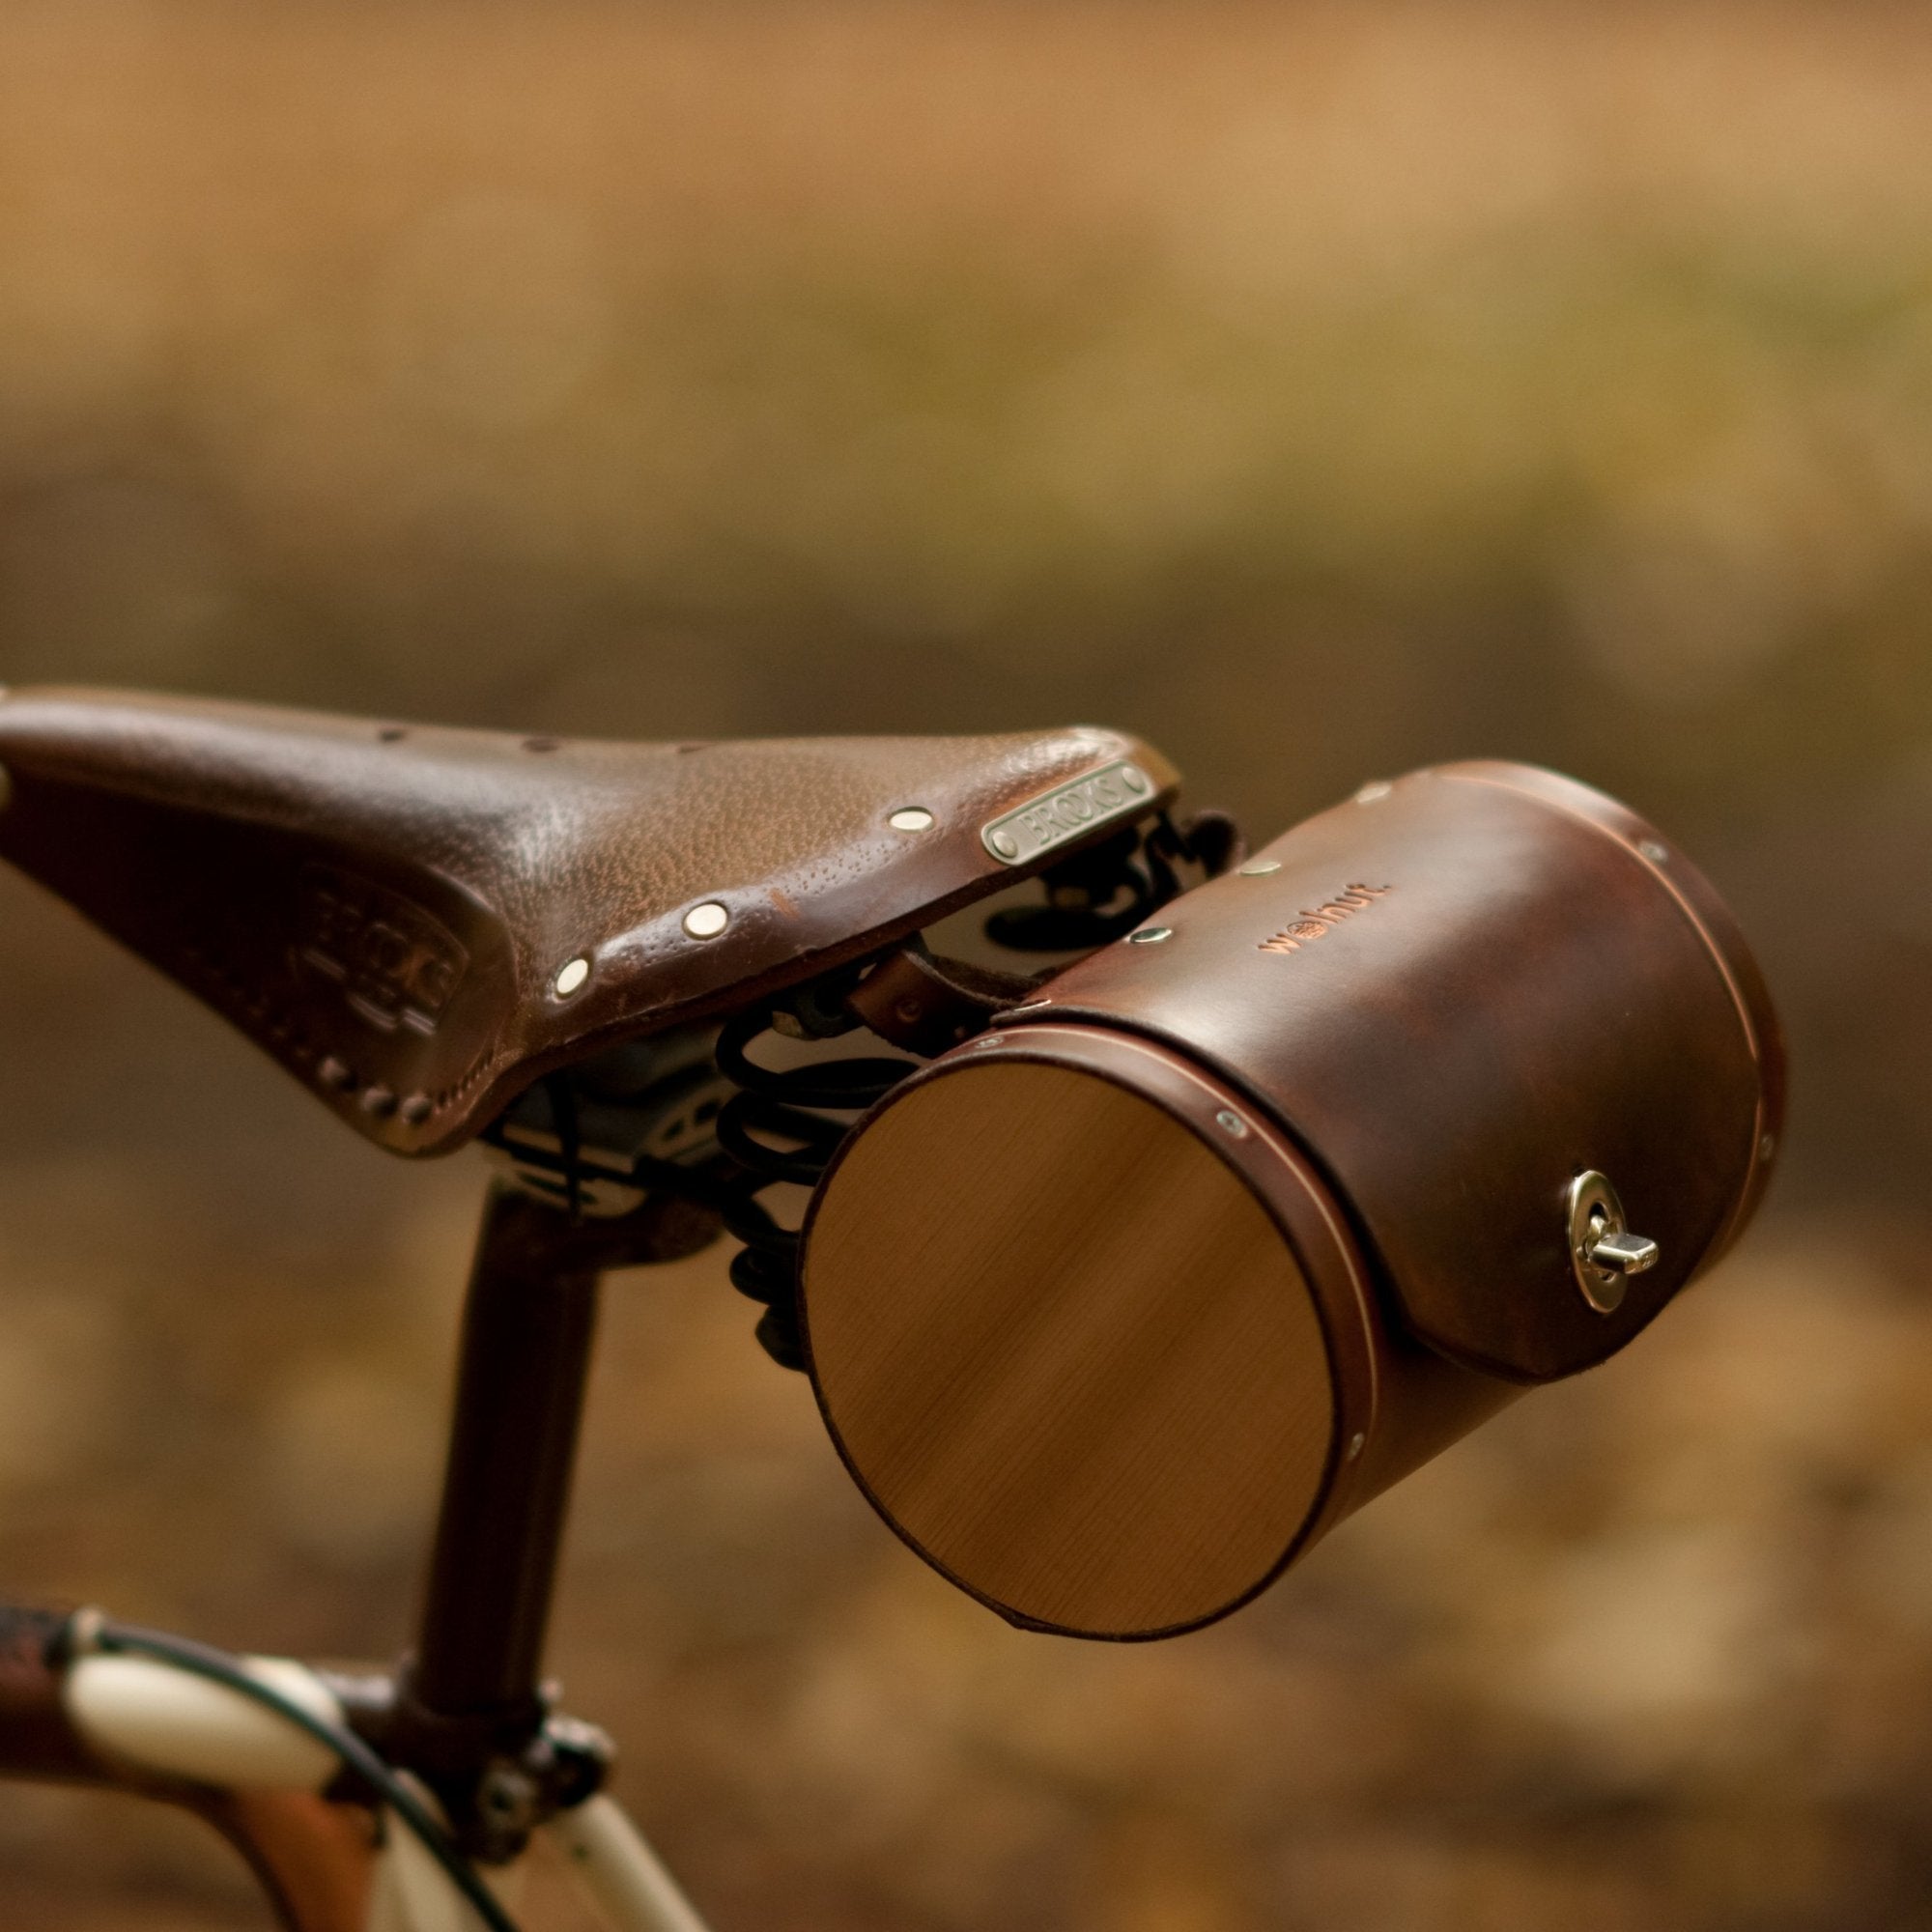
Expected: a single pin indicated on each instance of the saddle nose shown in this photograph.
(417, 922)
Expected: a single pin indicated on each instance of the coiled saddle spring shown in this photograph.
(784, 1124)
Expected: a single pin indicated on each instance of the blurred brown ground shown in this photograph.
(1319, 390)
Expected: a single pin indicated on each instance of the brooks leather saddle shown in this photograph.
(419, 922)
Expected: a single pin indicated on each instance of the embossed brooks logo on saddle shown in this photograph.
(1068, 812)
(396, 965)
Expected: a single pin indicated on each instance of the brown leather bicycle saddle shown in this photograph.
(418, 922)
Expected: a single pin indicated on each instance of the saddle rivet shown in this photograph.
(570, 977)
(1374, 794)
(1657, 854)
(1005, 844)
(417, 1109)
(1259, 867)
(1133, 779)
(706, 920)
(1357, 1442)
(1231, 1123)
(1150, 935)
(380, 1101)
(334, 1073)
(911, 819)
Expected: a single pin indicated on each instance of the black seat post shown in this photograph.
(525, 1358)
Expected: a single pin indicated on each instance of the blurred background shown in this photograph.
(1317, 390)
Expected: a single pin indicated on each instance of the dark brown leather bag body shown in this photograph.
(1113, 1311)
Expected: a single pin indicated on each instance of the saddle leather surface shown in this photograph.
(386, 909)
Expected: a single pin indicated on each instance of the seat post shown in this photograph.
(525, 1357)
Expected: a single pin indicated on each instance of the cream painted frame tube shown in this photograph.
(177, 1724)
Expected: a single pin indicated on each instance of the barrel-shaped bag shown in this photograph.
(1115, 1310)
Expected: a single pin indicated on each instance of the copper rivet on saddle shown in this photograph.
(1261, 867)
(706, 920)
(570, 977)
(1657, 854)
(911, 819)
(1150, 935)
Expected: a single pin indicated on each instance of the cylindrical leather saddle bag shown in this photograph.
(1115, 1309)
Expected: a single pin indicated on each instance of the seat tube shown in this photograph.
(528, 1330)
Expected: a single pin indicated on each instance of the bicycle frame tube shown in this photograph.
(71, 1711)
(621, 1871)
(167, 1725)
